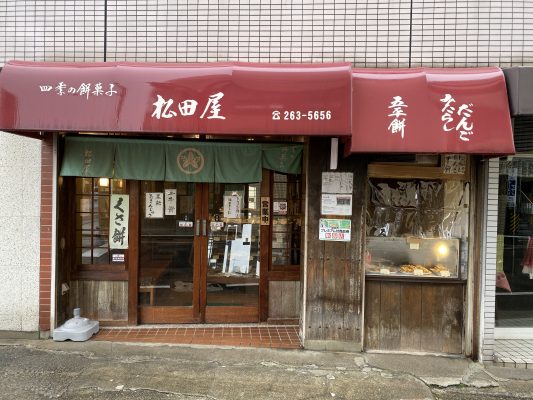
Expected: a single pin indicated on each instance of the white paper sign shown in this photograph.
(337, 182)
(119, 211)
(154, 205)
(170, 201)
(336, 204)
(232, 206)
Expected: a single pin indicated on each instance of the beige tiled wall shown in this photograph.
(369, 33)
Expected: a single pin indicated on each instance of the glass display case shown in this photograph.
(412, 257)
(417, 228)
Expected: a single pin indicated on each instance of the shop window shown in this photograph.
(286, 219)
(514, 258)
(92, 220)
(417, 227)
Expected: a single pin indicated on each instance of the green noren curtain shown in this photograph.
(282, 158)
(88, 157)
(189, 162)
(140, 159)
(238, 163)
(177, 161)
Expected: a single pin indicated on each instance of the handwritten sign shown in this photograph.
(337, 182)
(118, 221)
(170, 201)
(154, 205)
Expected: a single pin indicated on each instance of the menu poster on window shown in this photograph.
(337, 230)
(170, 201)
(154, 205)
(232, 206)
(336, 204)
(119, 212)
(337, 182)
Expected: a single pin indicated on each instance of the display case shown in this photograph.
(411, 257)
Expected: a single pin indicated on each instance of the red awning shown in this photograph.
(424, 110)
(219, 98)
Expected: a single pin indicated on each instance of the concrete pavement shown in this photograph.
(37, 369)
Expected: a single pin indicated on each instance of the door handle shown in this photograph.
(204, 227)
(197, 227)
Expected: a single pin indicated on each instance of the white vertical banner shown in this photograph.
(170, 201)
(154, 205)
(119, 212)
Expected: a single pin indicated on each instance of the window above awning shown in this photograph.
(425, 110)
(213, 98)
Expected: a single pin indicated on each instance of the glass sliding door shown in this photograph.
(232, 258)
(167, 276)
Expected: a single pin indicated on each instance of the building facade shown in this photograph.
(393, 34)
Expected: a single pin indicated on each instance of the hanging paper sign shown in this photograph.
(232, 206)
(265, 210)
(118, 221)
(454, 164)
(154, 205)
(170, 201)
(338, 230)
(337, 182)
(336, 204)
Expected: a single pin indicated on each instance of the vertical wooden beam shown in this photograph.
(265, 248)
(132, 257)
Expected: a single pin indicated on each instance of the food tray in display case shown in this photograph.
(412, 257)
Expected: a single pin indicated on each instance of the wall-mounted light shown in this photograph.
(104, 182)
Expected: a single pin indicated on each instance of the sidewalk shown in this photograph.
(33, 369)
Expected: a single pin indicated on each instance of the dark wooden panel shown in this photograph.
(132, 255)
(101, 300)
(372, 314)
(275, 305)
(229, 314)
(334, 272)
(411, 316)
(167, 315)
(318, 162)
(89, 275)
(442, 318)
(390, 309)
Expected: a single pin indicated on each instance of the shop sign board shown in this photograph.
(336, 204)
(265, 210)
(118, 221)
(338, 230)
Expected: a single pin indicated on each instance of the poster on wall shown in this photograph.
(337, 230)
(337, 182)
(336, 204)
(154, 205)
(118, 221)
(170, 201)
(280, 208)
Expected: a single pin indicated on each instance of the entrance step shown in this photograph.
(270, 336)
